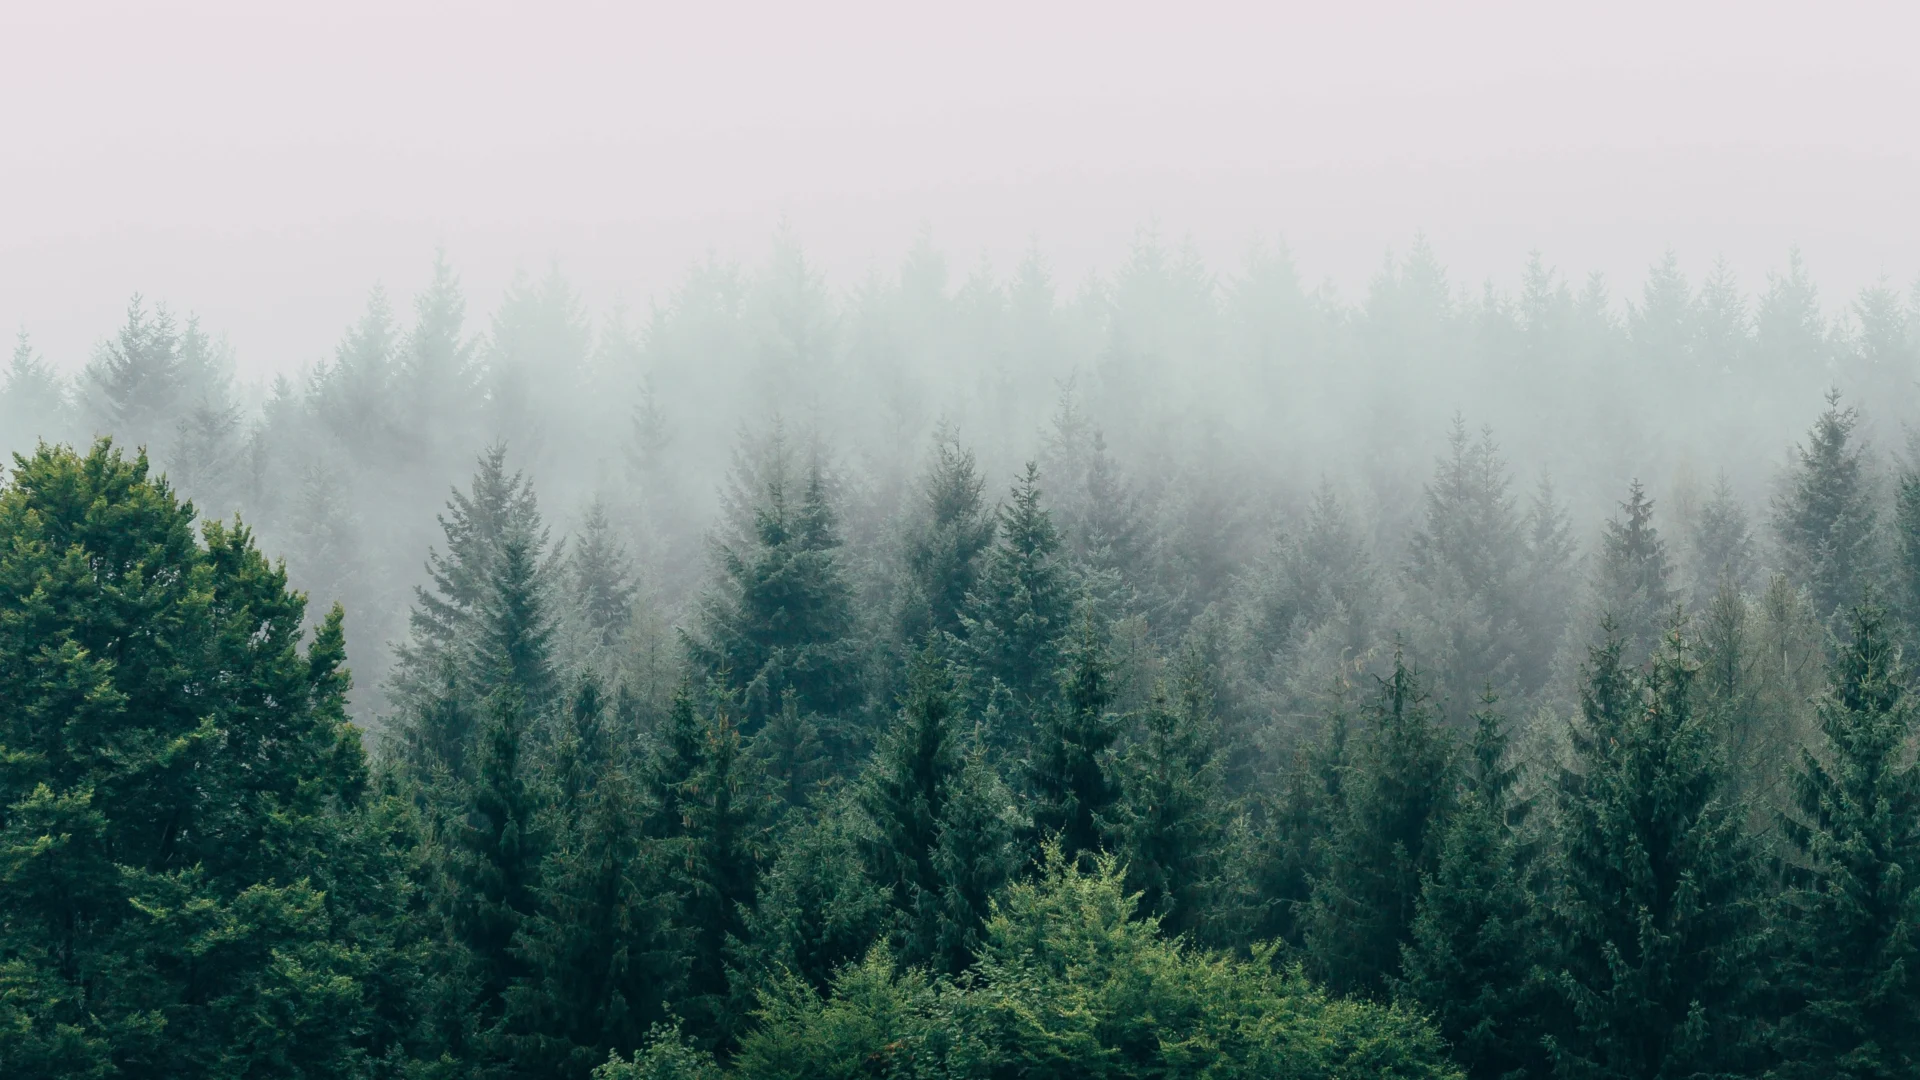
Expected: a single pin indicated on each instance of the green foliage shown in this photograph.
(1656, 906)
(1396, 798)
(194, 881)
(1016, 615)
(1825, 518)
(1071, 772)
(1171, 822)
(780, 614)
(952, 530)
(1632, 587)
(1476, 955)
(1852, 966)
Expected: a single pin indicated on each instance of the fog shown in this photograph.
(591, 541)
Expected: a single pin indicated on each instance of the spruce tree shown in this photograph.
(1905, 598)
(1722, 543)
(1070, 766)
(1018, 613)
(1474, 958)
(1655, 909)
(945, 543)
(494, 873)
(1632, 584)
(1397, 802)
(1171, 822)
(135, 386)
(1825, 517)
(33, 400)
(1465, 564)
(1852, 965)
(716, 866)
(513, 627)
(905, 792)
(779, 615)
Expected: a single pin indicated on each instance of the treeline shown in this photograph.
(1141, 758)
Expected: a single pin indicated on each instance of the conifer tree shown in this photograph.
(494, 878)
(1632, 586)
(600, 580)
(1284, 849)
(819, 908)
(1171, 827)
(596, 949)
(513, 628)
(33, 401)
(194, 878)
(1722, 543)
(1474, 961)
(974, 857)
(1905, 599)
(1852, 964)
(135, 387)
(1397, 802)
(1655, 910)
(946, 542)
(905, 792)
(1825, 518)
(1018, 613)
(1463, 570)
(716, 867)
(780, 613)
(1070, 764)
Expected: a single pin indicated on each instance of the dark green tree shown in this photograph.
(1397, 801)
(1071, 771)
(1017, 614)
(1475, 961)
(779, 615)
(194, 879)
(1852, 964)
(1172, 819)
(1655, 911)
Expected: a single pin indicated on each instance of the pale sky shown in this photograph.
(265, 165)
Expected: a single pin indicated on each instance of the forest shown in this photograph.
(1183, 672)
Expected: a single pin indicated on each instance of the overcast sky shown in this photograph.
(266, 164)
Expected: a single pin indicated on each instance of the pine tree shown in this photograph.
(716, 868)
(1397, 801)
(780, 613)
(1070, 765)
(513, 629)
(1018, 612)
(33, 401)
(1852, 967)
(1171, 822)
(1474, 958)
(135, 386)
(1905, 599)
(494, 873)
(1655, 911)
(595, 950)
(1631, 584)
(974, 857)
(436, 373)
(601, 580)
(442, 654)
(819, 908)
(1722, 543)
(1825, 518)
(945, 544)
(1463, 570)
(904, 793)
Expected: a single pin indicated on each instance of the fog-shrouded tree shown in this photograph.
(1018, 613)
(34, 403)
(1851, 972)
(946, 541)
(1395, 804)
(1633, 589)
(1825, 516)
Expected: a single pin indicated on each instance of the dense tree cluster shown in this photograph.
(1091, 743)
